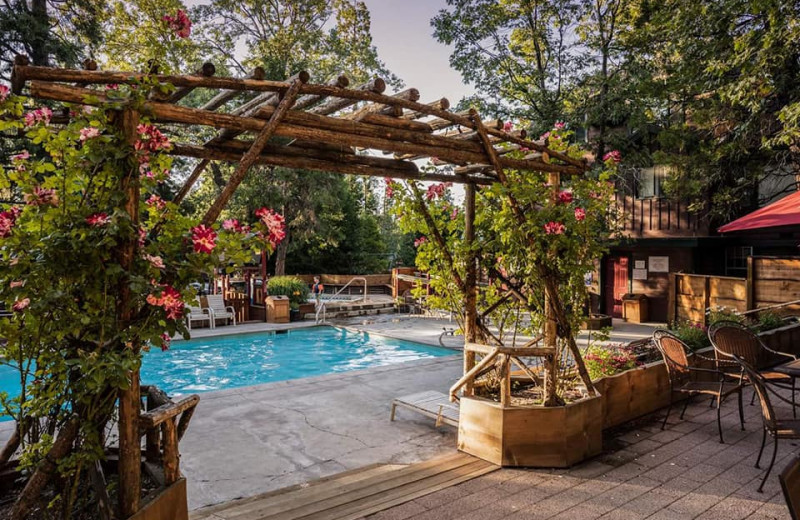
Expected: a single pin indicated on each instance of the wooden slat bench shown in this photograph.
(430, 404)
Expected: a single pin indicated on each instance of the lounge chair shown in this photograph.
(216, 304)
(198, 314)
(435, 405)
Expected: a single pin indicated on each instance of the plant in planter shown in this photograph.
(96, 267)
(607, 360)
(534, 237)
(291, 286)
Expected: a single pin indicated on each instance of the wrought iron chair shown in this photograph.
(790, 484)
(730, 338)
(679, 359)
(778, 428)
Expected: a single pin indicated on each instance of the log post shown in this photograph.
(551, 322)
(505, 380)
(471, 288)
(130, 398)
(171, 457)
(252, 154)
(750, 295)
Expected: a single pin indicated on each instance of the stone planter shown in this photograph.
(535, 436)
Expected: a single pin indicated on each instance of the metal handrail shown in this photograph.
(768, 308)
(366, 290)
(320, 309)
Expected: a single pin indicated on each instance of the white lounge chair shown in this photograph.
(198, 314)
(431, 404)
(216, 304)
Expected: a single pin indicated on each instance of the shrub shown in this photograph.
(724, 314)
(768, 320)
(291, 286)
(693, 334)
(607, 360)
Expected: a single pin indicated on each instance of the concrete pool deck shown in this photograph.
(251, 440)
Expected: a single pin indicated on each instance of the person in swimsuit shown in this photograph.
(317, 289)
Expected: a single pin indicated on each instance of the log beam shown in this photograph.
(226, 95)
(339, 102)
(439, 104)
(252, 154)
(309, 100)
(207, 70)
(191, 180)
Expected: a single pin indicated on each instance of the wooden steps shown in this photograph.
(353, 494)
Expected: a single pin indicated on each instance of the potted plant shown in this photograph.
(295, 288)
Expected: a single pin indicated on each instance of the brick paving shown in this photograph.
(682, 472)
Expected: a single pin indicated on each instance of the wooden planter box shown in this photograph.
(783, 339)
(536, 436)
(169, 504)
(597, 322)
(633, 393)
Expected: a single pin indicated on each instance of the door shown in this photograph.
(615, 284)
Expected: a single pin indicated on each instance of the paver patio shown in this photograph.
(680, 473)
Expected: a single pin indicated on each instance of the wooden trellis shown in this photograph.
(325, 127)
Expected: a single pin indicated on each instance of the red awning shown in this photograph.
(784, 212)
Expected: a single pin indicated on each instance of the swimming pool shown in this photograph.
(237, 360)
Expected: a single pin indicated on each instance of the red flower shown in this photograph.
(565, 197)
(42, 196)
(40, 115)
(4, 90)
(613, 155)
(233, 225)
(508, 126)
(170, 300)
(560, 125)
(580, 214)
(421, 240)
(275, 224)
(554, 228)
(180, 24)
(20, 305)
(98, 219)
(204, 239)
(389, 188)
(165, 341)
(7, 220)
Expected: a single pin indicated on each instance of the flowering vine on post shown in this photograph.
(60, 273)
(549, 244)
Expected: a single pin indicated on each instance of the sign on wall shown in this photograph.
(639, 264)
(640, 274)
(659, 264)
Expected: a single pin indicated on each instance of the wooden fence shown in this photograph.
(770, 281)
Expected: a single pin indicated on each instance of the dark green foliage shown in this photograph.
(295, 288)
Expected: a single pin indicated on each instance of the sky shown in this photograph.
(403, 35)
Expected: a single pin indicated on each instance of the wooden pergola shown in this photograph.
(326, 127)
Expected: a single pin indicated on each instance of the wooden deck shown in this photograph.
(353, 494)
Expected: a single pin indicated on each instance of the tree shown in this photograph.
(48, 32)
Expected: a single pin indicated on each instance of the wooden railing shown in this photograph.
(657, 217)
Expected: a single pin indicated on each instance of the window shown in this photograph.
(649, 181)
(736, 260)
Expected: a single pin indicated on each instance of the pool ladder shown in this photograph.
(320, 314)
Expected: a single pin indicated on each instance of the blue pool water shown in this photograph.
(203, 365)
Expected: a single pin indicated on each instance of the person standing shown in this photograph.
(317, 289)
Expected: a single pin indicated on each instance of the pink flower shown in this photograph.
(16, 284)
(22, 156)
(151, 139)
(204, 239)
(524, 149)
(437, 190)
(98, 219)
(20, 305)
(613, 155)
(180, 24)
(421, 240)
(565, 196)
(142, 237)
(165, 341)
(7, 220)
(40, 115)
(580, 214)
(389, 188)
(155, 261)
(88, 133)
(230, 225)
(508, 126)
(544, 136)
(560, 125)
(158, 202)
(41, 196)
(554, 228)
(112, 86)
(4, 90)
(454, 214)
(275, 225)
(170, 300)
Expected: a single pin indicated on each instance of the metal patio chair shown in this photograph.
(778, 428)
(683, 376)
(730, 338)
